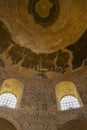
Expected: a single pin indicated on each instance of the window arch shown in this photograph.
(67, 96)
(69, 102)
(11, 93)
(8, 100)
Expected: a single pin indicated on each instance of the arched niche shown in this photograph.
(13, 86)
(6, 125)
(66, 88)
(74, 125)
(11, 117)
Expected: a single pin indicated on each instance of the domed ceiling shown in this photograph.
(44, 35)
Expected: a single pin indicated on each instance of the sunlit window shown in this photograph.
(8, 100)
(69, 102)
(67, 96)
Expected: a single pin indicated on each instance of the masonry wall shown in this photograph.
(38, 108)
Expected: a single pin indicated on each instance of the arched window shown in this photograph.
(67, 96)
(69, 102)
(8, 100)
(11, 93)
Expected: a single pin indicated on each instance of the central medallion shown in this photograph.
(45, 12)
(43, 8)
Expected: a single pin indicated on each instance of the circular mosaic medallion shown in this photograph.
(45, 12)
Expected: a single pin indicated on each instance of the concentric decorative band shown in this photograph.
(52, 7)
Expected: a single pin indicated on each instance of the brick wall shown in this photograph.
(38, 109)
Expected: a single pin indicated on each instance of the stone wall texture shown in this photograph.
(38, 108)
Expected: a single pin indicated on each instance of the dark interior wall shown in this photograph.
(79, 50)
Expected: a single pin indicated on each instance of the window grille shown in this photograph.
(69, 102)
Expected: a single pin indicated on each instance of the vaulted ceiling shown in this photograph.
(43, 35)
